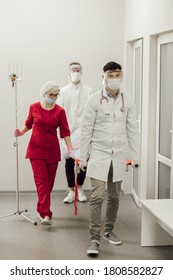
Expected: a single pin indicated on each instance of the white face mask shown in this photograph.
(49, 100)
(76, 76)
(114, 84)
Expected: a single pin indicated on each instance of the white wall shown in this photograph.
(147, 19)
(45, 36)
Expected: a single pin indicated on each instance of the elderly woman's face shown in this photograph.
(53, 93)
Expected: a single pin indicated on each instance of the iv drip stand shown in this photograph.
(19, 212)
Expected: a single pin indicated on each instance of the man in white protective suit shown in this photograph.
(73, 99)
(109, 126)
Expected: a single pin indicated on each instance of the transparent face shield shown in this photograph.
(112, 75)
(75, 72)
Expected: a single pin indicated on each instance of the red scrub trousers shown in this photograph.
(44, 151)
(44, 176)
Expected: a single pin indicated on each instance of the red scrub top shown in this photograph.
(44, 142)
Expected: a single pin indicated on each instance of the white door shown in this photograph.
(164, 139)
(137, 97)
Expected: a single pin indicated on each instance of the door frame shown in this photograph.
(162, 39)
(137, 44)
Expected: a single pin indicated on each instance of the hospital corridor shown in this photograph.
(86, 125)
(68, 238)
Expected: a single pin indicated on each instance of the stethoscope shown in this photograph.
(106, 98)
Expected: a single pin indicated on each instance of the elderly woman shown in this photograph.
(43, 150)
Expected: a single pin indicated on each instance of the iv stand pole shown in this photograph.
(20, 213)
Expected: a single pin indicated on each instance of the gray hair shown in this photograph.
(48, 86)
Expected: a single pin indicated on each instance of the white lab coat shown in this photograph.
(73, 99)
(106, 133)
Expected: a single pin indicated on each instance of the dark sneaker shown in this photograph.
(112, 238)
(93, 249)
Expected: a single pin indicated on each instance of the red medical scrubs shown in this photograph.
(44, 151)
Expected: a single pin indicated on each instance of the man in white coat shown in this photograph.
(73, 99)
(109, 124)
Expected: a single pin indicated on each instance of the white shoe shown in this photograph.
(70, 197)
(39, 217)
(46, 221)
(81, 195)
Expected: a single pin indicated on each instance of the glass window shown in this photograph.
(166, 92)
(137, 81)
(164, 180)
